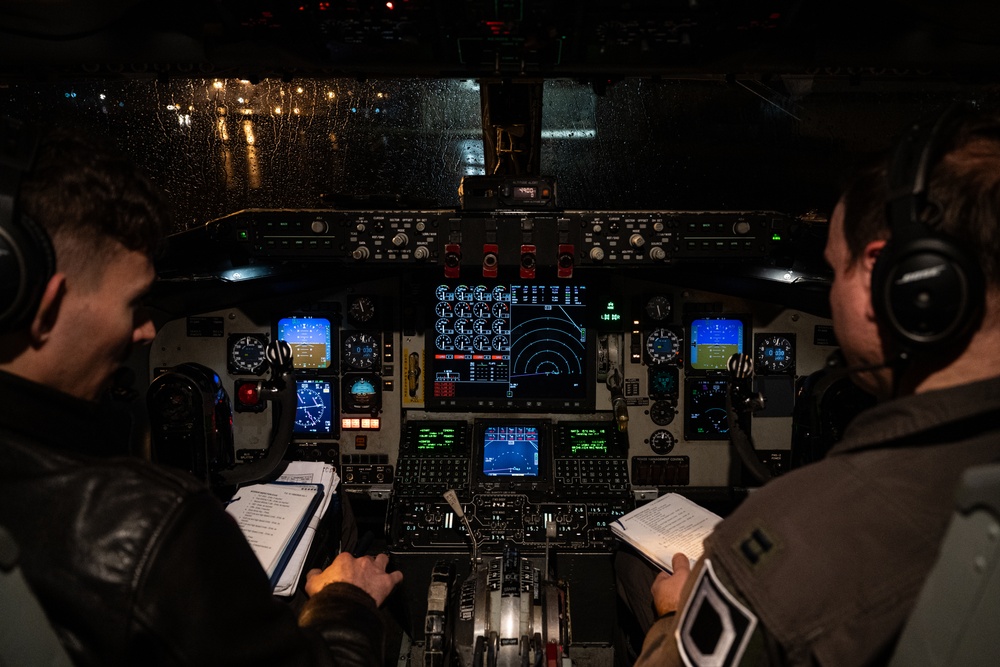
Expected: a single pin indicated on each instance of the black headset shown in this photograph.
(27, 260)
(927, 287)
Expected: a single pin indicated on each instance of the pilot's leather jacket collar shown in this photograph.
(62, 421)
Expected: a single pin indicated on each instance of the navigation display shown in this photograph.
(310, 340)
(510, 450)
(315, 407)
(713, 341)
(510, 346)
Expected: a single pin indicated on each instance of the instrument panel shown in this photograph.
(550, 369)
(423, 351)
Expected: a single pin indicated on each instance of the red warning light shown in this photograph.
(247, 394)
(390, 6)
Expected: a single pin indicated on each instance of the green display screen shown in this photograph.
(436, 438)
(585, 440)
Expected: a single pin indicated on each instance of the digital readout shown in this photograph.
(436, 439)
(584, 441)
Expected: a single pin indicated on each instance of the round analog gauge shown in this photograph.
(500, 326)
(361, 351)
(361, 393)
(463, 293)
(501, 293)
(480, 293)
(662, 441)
(658, 308)
(481, 309)
(444, 309)
(501, 309)
(775, 354)
(662, 346)
(443, 342)
(442, 293)
(663, 383)
(361, 309)
(443, 326)
(247, 354)
(481, 343)
(463, 309)
(463, 343)
(501, 343)
(463, 326)
(662, 412)
(481, 326)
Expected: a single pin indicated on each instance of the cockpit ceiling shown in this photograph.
(589, 39)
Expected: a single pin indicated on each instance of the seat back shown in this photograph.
(955, 618)
(26, 636)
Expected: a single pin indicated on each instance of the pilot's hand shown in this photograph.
(666, 588)
(366, 573)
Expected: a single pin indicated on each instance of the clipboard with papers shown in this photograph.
(279, 519)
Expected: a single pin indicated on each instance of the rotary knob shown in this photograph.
(361, 253)
(636, 241)
(597, 253)
(657, 254)
(400, 240)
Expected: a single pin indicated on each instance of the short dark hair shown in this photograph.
(85, 194)
(964, 195)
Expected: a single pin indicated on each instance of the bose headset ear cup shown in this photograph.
(26, 264)
(927, 288)
(27, 260)
(928, 293)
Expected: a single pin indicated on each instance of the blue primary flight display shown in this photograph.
(713, 341)
(310, 340)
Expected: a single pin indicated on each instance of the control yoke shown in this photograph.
(741, 402)
(280, 390)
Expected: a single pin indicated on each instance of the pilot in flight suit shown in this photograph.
(823, 565)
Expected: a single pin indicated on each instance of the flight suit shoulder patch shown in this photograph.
(714, 627)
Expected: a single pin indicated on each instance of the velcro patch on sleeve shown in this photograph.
(714, 627)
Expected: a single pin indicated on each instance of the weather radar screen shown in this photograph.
(510, 450)
(511, 346)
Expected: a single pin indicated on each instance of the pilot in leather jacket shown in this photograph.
(135, 564)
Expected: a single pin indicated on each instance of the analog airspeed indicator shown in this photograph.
(247, 354)
(663, 346)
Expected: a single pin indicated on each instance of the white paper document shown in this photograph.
(665, 526)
